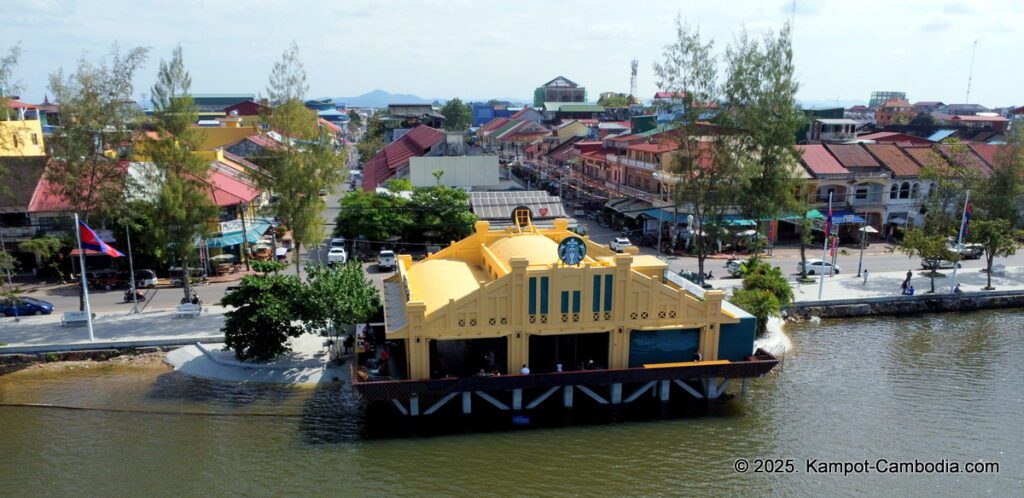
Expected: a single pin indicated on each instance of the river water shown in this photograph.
(930, 387)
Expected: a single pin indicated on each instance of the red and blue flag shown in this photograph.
(93, 242)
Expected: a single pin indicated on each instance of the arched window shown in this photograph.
(894, 191)
(915, 191)
(905, 190)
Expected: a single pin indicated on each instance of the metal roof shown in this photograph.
(499, 205)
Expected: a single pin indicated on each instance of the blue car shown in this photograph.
(25, 306)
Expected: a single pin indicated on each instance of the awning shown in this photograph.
(665, 215)
(253, 234)
(813, 214)
(845, 217)
(736, 220)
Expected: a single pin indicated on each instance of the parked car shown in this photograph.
(943, 265)
(619, 244)
(972, 251)
(337, 255)
(386, 261)
(24, 306)
(338, 242)
(817, 266)
(735, 267)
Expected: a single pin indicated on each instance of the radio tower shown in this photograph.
(632, 79)
(970, 75)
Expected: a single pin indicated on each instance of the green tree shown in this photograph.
(97, 114)
(305, 163)
(46, 249)
(949, 179)
(8, 86)
(930, 248)
(354, 121)
(760, 303)
(457, 115)
(704, 173)
(368, 147)
(182, 207)
(615, 100)
(397, 185)
(1001, 194)
(338, 295)
(377, 217)
(997, 240)
(760, 99)
(7, 263)
(267, 308)
(438, 173)
(444, 210)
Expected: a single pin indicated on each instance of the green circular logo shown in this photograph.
(572, 250)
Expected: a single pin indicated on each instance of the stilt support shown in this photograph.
(414, 406)
(663, 391)
(437, 406)
(616, 393)
(567, 396)
(492, 400)
(639, 392)
(467, 402)
(744, 386)
(401, 408)
(517, 399)
(597, 397)
(540, 399)
(686, 387)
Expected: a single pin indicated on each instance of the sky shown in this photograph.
(843, 50)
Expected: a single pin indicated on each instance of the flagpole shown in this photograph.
(131, 268)
(960, 240)
(824, 248)
(85, 284)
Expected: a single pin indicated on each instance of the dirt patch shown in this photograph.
(144, 360)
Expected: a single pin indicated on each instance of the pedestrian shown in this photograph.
(865, 276)
(903, 287)
(558, 367)
(525, 370)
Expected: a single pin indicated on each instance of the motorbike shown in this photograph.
(194, 299)
(139, 296)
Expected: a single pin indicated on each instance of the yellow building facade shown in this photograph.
(510, 287)
(21, 138)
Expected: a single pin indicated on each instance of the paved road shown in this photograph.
(877, 257)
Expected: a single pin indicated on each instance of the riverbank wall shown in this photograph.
(905, 305)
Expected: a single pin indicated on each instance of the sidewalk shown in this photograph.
(305, 365)
(883, 284)
(154, 326)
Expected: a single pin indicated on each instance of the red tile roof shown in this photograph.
(893, 158)
(669, 95)
(46, 197)
(983, 119)
(894, 137)
(492, 125)
(396, 154)
(518, 114)
(987, 152)
(924, 156)
(852, 156)
(329, 125)
(965, 157)
(656, 147)
(819, 161)
(228, 191)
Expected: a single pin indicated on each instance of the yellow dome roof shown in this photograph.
(538, 249)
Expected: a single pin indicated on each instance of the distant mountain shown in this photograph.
(380, 98)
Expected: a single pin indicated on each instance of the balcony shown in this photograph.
(614, 158)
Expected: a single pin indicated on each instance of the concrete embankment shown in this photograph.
(906, 305)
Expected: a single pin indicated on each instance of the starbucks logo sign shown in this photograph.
(572, 250)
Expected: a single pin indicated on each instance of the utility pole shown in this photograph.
(970, 74)
(242, 206)
(10, 283)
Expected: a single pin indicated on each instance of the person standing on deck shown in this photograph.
(865, 276)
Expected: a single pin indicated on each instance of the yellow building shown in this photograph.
(571, 129)
(507, 292)
(21, 138)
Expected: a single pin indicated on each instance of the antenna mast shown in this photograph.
(970, 75)
(632, 78)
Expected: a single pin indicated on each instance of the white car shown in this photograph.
(337, 255)
(386, 261)
(943, 264)
(817, 266)
(338, 242)
(619, 244)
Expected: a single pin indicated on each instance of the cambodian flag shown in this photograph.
(92, 241)
(966, 221)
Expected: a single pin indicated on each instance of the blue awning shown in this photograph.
(844, 217)
(665, 215)
(736, 220)
(253, 234)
